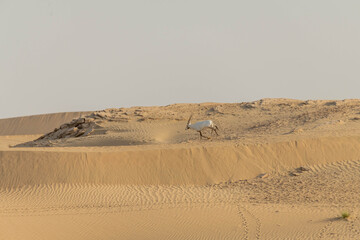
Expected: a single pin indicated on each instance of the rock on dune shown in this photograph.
(76, 128)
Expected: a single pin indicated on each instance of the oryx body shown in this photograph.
(199, 126)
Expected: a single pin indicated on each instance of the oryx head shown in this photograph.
(188, 123)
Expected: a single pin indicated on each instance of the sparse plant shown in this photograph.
(345, 215)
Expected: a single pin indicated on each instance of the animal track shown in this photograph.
(251, 223)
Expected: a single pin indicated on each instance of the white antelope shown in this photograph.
(199, 126)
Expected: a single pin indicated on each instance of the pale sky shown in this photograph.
(76, 55)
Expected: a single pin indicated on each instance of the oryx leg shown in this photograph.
(213, 129)
(202, 136)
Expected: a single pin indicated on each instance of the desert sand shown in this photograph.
(279, 169)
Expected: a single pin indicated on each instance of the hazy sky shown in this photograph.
(78, 55)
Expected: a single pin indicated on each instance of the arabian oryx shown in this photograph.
(199, 126)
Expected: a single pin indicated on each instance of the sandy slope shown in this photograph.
(37, 124)
(280, 169)
(169, 164)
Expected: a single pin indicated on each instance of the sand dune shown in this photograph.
(280, 169)
(37, 124)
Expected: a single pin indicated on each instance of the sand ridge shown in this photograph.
(36, 124)
(177, 165)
